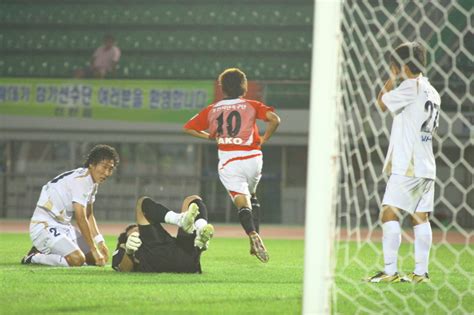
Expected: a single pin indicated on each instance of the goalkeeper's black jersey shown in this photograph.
(161, 252)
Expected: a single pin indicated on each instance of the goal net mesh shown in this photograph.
(370, 30)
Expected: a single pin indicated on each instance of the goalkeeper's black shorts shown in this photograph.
(160, 252)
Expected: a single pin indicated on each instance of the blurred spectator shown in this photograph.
(103, 61)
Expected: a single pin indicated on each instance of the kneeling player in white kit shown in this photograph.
(409, 161)
(232, 123)
(56, 242)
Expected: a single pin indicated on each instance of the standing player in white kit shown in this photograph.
(56, 242)
(410, 162)
(231, 122)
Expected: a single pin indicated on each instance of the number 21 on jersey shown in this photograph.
(431, 123)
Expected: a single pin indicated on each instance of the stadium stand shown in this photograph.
(159, 40)
(151, 30)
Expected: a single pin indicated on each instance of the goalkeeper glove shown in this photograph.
(133, 243)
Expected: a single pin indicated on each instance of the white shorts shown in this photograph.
(412, 194)
(240, 171)
(56, 238)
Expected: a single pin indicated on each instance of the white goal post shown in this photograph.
(322, 157)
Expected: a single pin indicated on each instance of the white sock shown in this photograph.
(423, 239)
(200, 223)
(392, 237)
(49, 260)
(173, 217)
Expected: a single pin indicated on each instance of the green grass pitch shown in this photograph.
(233, 282)
(451, 289)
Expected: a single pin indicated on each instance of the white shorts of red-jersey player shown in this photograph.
(240, 171)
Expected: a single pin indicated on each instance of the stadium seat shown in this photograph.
(285, 41)
(185, 66)
(158, 14)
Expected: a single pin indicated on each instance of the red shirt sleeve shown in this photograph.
(262, 110)
(199, 121)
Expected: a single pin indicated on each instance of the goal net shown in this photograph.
(370, 30)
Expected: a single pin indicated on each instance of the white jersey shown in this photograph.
(104, 59)
(416, 105)
(57, 196)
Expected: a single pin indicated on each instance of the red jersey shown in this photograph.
(232, 122)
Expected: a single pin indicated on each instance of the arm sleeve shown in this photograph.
(199, 122)
(262, 110)
(400, 97)
(80, 191)
(92, 195)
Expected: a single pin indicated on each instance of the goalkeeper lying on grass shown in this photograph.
(147, 246)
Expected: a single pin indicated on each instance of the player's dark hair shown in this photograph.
(108, 37)
(233, 82)
(411, 54)
(100, 153)
(131, 226)
(123, 236)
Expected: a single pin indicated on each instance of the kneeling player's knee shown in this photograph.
(76, 259)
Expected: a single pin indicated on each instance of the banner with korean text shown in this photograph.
(125, 100)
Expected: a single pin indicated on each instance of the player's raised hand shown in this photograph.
(394, 72)
(98, 258)
(104, 250)
(133, 243)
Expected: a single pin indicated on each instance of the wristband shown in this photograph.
(98, 238)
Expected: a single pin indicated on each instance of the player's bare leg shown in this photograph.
(257, 248)
(139, 215)
(76, 259)
(390, 213)
(420, 218)
(187, 202)
(390, 244)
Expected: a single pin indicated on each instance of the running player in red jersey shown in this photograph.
(231, 122)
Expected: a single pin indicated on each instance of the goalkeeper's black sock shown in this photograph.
(245, 217)
(256, 213)
(202, 209)
(154, 212)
